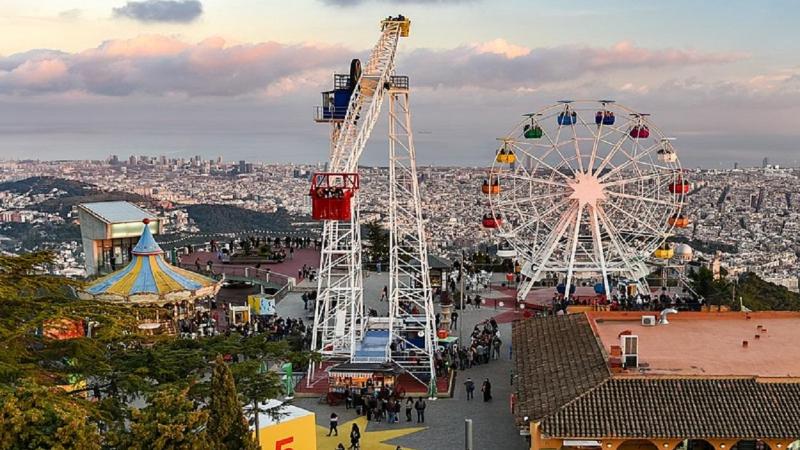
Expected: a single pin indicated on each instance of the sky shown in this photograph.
(84, 79)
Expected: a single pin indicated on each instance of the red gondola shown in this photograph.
(680, 186)
(490, 221)
(640, 132)
(332, 195)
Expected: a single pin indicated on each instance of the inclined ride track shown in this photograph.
(341, 330)
(585, 189)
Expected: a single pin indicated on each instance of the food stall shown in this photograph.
(358, 376)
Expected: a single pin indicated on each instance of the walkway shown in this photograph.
(493, 422)
(277, 274)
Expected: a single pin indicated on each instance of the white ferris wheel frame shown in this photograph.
(586, 200)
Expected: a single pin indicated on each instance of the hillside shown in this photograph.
(45, 185)
(227, 218)
(756, 293)
(760, 295)
(76, 193)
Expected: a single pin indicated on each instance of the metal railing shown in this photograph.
(252, 273)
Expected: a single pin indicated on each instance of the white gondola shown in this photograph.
(666, 153)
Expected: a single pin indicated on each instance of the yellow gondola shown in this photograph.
(665, 251)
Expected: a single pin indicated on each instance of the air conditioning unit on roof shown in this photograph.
(648, 321)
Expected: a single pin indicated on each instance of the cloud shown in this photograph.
(501, 65)
(160, 65)
(180, 11)
(349, 3)
(71, 14)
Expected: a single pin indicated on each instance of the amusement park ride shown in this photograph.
(341, 329)
(586, 189)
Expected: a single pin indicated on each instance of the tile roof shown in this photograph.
(681, 408)
(556, 359)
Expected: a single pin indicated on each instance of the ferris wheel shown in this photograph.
(585, 190)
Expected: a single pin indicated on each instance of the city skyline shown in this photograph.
(241, 78)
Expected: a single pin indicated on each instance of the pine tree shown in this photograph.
(170, 421)
(35, 417)
(227, 426)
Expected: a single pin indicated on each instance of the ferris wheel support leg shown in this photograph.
(573, 249)
(550, 246)
(598, 245)
(525, 289)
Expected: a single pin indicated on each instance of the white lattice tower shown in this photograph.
(411, 318)
(339, 315)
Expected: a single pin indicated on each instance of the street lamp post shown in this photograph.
(461, 308)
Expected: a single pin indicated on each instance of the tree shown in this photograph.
(170, 421)
(116, 364)
(227, 426)
(35, 417)
(378, 239)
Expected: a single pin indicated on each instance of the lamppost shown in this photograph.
(461, 294)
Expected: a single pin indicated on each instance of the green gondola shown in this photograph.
(533, 132)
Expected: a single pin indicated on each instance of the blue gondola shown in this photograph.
(561, 288)
(604, 117)
(567, 119)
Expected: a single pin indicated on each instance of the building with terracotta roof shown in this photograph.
(625, 381)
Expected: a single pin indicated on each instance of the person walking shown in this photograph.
(419, 405)
(487, 390)
(496, 343)
(334, 424)
(470, 386)
(348, 398)
(454, 320)
(384, 294)
(355, 437)
(409, 406)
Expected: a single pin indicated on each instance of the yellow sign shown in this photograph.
(293, 434)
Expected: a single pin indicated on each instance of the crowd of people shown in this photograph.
(623, 302)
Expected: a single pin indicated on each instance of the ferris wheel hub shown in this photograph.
(587, 189)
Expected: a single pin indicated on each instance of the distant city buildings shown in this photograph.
(750, 215)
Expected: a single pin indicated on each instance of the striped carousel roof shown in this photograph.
(148, 278)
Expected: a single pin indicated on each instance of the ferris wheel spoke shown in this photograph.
(634, 218)
(577, 145)
(540, 161)
(639, 198)
(625, 252)
(631, 160)
(539, 217)
(551, 242)
(537, 180)
(614, 148)
(637, 179)
(557, 143)
(526, 199)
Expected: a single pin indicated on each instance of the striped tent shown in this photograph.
(149, 279)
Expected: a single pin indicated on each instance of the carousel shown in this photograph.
(167, 294)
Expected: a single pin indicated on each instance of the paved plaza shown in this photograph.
(493, 423)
